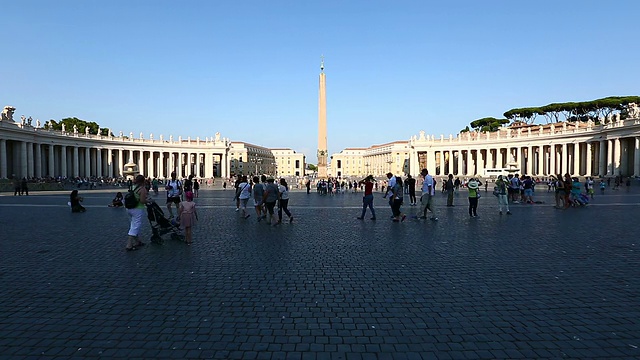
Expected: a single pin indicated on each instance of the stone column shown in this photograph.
(540, 170)
(609, 157)
(99, 162)
(30, 162)
(179, 166)
(431, 162)
(636, 157)
(223, 165)
(198, 165)
(161, 173)
(602, 158)
(617, 155)
(63, 161)
(577, 159)
(552, 160)
(564, 160)
(110, 162)
(624, 158)
(87, 162)
(120, 163)
(51, 166)
(460, 162)
(150, 165)
(589, 159)
(76, 162)
(24, 170)
(3, 159)
(530, 160)
(499, 160)
(480, 157)
(141, 163)
(38, 161)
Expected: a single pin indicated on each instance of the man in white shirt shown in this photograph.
(174, 190)
(427, 197)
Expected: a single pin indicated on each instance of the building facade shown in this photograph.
(375, 160)
(289, 163)
(250, 159)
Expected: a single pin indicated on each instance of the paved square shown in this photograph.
(542, 283)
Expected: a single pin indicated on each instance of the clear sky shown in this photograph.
(249, 69)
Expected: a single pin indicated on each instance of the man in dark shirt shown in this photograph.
(450, 187)
(411, 183)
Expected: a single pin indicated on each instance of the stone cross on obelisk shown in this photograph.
(322, 125)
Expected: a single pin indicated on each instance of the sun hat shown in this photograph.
(472, 184)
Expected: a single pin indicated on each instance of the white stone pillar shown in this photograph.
(99, 162)
(431, 162)
(110, 162)
(51, 166)
(602, 158)
(588, 160)
(499, 159)
(141, 163)
(636, 157)
(3, 159)
(489, 159)
(223, 165)
(161, 173)
(540, 170)
(617, 155)
(564, 168)
(530, 160)
(63, 161)
(199, 162)
(460, 162)
(552, 160)
(480, 157)
(24, 171)
(179, 166)
(30, 163)
(120, 169)
(38, 160)
(150, 165)
(75, 163)
(87, 162)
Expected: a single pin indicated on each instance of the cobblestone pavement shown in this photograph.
(542, 283)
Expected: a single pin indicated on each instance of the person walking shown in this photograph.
(367, 199)
(244, 189)
(473, 185)
(283, 201)
(258, 193)
(501, 192)
(196, 188)
(427, 197)
(136, 214)
(397, 199)
(270, 197)
(410, 183)
(188, 216)
(450, 188)
(174, 190)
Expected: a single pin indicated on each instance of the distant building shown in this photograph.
(289, 162)
(250, 159)
(375, 160)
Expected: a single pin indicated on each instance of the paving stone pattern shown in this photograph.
(542, 283)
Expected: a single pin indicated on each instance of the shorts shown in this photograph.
(257, 202)
(528, 192)
(173, 199)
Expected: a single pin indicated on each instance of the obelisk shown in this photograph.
(322, 125)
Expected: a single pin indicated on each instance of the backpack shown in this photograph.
(130, 199)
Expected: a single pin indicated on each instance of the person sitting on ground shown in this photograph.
(75, 201)
(117, 201)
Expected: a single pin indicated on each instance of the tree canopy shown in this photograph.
(80, 124)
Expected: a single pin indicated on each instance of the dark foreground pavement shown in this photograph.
(542, 283)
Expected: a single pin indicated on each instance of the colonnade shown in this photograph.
(30, 153)
(604, 150)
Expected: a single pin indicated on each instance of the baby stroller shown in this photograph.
(580, 200)
(160, 225)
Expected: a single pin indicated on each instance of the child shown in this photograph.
(188, 215)
(602, 186)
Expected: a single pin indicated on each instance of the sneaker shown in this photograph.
(404, 217)
(247, 216)
(290, 220)
(237, 209)
(434, 218)
(508, 212)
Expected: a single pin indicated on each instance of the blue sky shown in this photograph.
(249, 69)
